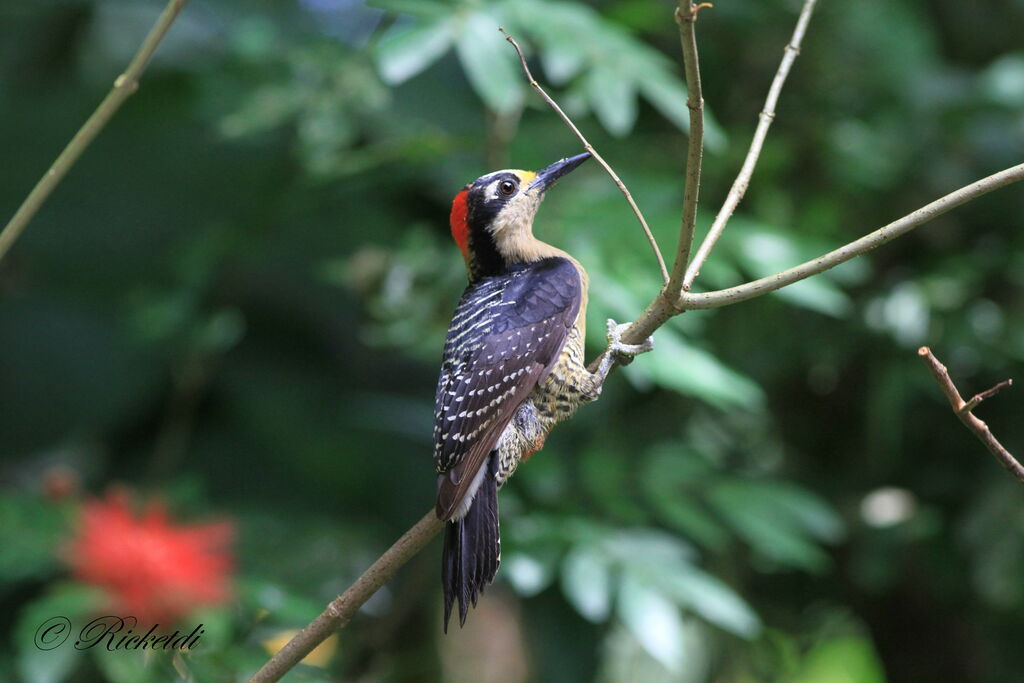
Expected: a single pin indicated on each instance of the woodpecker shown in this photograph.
(512, 367)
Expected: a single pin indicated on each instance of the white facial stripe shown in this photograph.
(513, 171)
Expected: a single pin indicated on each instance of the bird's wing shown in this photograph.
(506, 335)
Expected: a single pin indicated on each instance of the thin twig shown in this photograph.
(739, 186)
(686, 17)
(732, 295)
(344, 607)
(124, 86)
(988, 393)
(962, 409)
(593, 152)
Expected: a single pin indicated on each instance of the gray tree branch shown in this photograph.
(901, 226)
(739, 186)
(686, 17)
(344, 607)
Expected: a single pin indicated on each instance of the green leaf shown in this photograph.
(668, 95)
(417, 8)
(283, 606)
(601, 474)
(490, 63)
(1003, 81)
(645, 548)
(671, 481)
(689, 518)
(712, 600)
(653, 620)
(47, 629)
(817, 294)
(132, 666)
(529, 574)
(586, 582)
(217, 625)
(414, 7)
(780, 522)
(849, 659)
(409, 48)
(612, 94)
(665, 565)
(220, 331)
(764, 253)
(561, 51)
(30, 530)
(674, 364)
(562, 63)
(695, 372)
(807, 510)
(264, 109)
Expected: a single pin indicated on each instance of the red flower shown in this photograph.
(152, 569)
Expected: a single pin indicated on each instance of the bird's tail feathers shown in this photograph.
(472, 547)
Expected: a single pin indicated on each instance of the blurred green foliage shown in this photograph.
(236, 302)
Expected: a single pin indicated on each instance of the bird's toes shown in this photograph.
(616, 345)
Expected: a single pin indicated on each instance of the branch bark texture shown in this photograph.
(901, 226)
(739, 186)
(686, 17)
(124, 86)
(344, 607)
(963, 410)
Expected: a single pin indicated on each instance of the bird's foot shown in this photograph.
(618, 352)
(620, 348)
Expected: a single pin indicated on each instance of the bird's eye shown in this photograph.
(507, 187)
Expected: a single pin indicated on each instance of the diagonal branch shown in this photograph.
(593, 152)
(344, 607)
(963, 409)
(686, 17)
(733, 295)
(125, 85)
(739, 186)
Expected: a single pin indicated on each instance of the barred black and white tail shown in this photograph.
(472, 547)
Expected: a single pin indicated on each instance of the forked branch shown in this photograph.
(739, 186)
(901, 226)
(964, 411)
(674, 299)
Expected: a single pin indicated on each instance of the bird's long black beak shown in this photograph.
(546, 177)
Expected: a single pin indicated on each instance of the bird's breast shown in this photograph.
(563, 390)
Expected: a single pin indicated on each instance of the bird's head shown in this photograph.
(492, 217)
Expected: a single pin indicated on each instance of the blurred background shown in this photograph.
(219, 341)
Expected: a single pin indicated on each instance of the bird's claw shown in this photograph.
(620, 348)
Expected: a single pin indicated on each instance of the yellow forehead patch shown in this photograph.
(526, 177)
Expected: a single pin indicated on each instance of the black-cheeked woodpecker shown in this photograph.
(513, 365)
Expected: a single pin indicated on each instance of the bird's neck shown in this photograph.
(506, 250)
(522, 250)
(522, 247)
